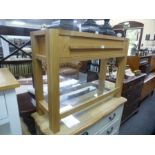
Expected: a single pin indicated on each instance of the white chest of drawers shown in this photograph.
(9, 114)
(108, 125)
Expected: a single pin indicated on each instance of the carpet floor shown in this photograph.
(143, 122)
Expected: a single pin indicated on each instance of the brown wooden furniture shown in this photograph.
(147, 65)
(132, 88)
(152, 63)
(26, 108)
(59, 46)
(133, 62)
(149, 85)
(143, 63)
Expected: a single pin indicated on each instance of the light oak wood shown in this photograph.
(41, 57)
(52, 51)
(91, 47)
(44, 106)
(59, 46)
(89, 103)
(38, 33)
(102, 75)
(121, 69)
(83, 55)
(41, 45)
(7, 80)
(37, 73)
(89, 35)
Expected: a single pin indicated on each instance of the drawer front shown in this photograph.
(116, 115)
(132, 88)
(3, 110)
(132, 94)
(88, 43)
(111, 129)
(133, 85)
(73, 46)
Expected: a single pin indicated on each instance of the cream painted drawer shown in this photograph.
(111, 129)
(3, 110)
(110, 119)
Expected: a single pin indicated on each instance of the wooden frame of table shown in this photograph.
(55, 46)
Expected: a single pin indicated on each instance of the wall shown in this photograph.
(149, 28)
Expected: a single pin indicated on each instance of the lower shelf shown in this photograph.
(92, 121)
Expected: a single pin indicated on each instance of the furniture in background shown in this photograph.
(96, 106)
(143, 63)
(26, 108)
(133, 62)
(70, 69)
(131, 27)
(147, 65)
(9, 114)
(149, 86)
(152, 64)
(132, 89)
(18, 66)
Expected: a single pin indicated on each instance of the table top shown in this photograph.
(7, 80)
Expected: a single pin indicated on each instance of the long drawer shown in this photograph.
(77, 45)
(111, 118)
(111, 129)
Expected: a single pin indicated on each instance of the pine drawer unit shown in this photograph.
(52, 47)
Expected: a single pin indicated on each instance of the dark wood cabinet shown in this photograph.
(147, 65)
(132, 88)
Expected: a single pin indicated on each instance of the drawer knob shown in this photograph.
(112, 117)
(110, 131)
(85, 133)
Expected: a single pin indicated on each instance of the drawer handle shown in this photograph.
(110, 131)
(112, 117)
(85, 47)
(85, 133)
(93, 47)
